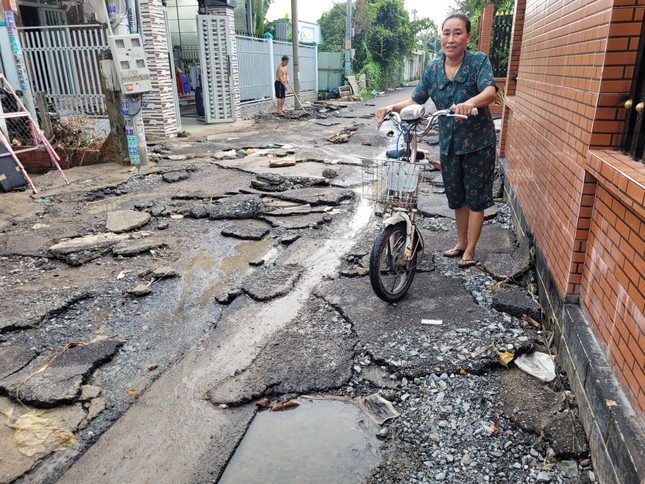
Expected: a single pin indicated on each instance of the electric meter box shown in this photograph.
(130, 64)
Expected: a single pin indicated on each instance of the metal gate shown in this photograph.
(63, 63)
(215, 61)
(500, 42)
(633, 141)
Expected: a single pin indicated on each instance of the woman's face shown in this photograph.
(454, 38)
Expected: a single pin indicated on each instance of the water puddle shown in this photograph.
(320, 441)
(245, 253)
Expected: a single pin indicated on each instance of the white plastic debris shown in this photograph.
(540, 365)
(431, 321)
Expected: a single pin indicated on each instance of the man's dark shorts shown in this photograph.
(280, 91)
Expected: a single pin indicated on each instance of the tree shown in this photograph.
(260, 9)
(427, 34)
(332, 29)
(384, 39)
(383, 36)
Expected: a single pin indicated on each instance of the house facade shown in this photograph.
(572, 101)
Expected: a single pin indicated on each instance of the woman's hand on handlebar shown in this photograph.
(381, 113)
(464, 109)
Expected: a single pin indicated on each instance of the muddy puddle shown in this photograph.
(320, 441)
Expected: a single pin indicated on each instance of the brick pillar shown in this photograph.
(485, 28)
(159, 116)
(235, 70)
(514, 51)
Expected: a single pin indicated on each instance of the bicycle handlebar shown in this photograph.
(432, 116)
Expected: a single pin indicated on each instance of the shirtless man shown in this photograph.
(282, 78)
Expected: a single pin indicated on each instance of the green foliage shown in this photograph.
(259, 10)
(332, 29)
(428, 37)
(373, 76)
(474, 8)
(385, 38)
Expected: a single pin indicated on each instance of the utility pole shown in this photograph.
(295, 40)
(348, 41)
(123, 18)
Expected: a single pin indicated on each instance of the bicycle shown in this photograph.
(394, 184)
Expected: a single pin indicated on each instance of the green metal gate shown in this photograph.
(330, 70)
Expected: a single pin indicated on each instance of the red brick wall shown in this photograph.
(613, 289)
(485, 28)
(570, 73)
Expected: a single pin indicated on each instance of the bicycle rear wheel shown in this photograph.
(389, 274)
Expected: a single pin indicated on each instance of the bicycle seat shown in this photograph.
(403, 154)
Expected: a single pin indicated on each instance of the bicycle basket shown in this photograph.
(391, 182)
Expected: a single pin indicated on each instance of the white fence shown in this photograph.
(258, 60)
(63, 63)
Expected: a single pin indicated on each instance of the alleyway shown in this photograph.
(160, 315)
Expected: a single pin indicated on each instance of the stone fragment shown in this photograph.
(162, 272)
(329, 173)
(175, 176)
(289, 239)
(88, 392)
(130, 248)
(97, 405)
(139, 290)
(282, 162)
(126, 220)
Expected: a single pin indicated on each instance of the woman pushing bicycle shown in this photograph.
(463, 82)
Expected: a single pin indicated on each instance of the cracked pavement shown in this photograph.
(270, 300)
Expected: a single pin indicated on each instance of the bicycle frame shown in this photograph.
(398, 247)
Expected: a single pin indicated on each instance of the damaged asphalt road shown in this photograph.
(149, 313)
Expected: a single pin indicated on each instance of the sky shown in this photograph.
(311, 10)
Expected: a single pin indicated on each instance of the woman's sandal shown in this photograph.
(453, 253)
(465, 264)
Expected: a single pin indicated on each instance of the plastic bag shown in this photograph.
(538, 364)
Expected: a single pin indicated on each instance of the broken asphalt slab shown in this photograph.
(511, 264)
(323, 363)
(271, 281)
(516, 301)
(394, 336)
(317, 196)
(126, 220)
(44, 303)
(249, 230)
(80, 250)
(56, 379)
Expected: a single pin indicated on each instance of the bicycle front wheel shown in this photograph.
(390, 274)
